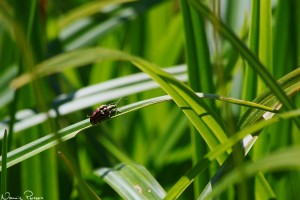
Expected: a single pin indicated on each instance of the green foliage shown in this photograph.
(202, 105)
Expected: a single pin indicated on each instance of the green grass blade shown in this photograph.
(283, 41)
(265, 34)
(289, 83)
(210, 129)
(44, 143)
(250, 80)
(199, 75)
(198, 56)
(132, 181)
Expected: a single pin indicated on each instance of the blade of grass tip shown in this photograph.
(84, 190)
(3, 164)
(248, 55)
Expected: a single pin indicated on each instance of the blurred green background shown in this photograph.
(60, 60)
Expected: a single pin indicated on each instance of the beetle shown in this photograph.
(104, 112)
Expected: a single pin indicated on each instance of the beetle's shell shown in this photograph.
(102, 113)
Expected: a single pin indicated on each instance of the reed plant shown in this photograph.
(150, 99)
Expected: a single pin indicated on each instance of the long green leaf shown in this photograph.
(199, 75)
(132, 181)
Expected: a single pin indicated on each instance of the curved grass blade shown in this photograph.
(132, 181)
(251, 130)
(290, 83)
(71, 131)
(44, 143)
(200, 75)
(201, 116)
(83, 99)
